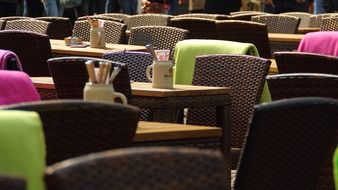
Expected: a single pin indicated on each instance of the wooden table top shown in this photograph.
(305, 30)
(59, 47)
(155, 131)
(291, 38)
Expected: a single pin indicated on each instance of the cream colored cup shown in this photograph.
(162, 75)
(102, 92)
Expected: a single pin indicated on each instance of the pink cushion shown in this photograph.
(5, 56)
(325, 42)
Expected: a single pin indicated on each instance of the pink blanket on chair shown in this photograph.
(5, 56)
(325, 42)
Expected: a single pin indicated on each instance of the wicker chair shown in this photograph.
(33, 50)
(115, 31)
(301, 62)
(146, 168)
(75, 127)
(12, 183)
(199, 28)
(122, 16)
(60, 27)
(329, 24)
(287, 144)
(245, 16)
(2, 24)
(32, 25)
(161, 37)
(147, 20)
(101, 17)
(70, 76)
(203, 16)
(245, 31)
(304, 18)
(9, 18)
(316, 20)
(279, 23)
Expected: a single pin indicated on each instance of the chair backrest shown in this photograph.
(70, 76)
(9, 61)
(137, 63)
(2, 24)
(32, 25)
(148, 20)
(33, 49)
(114, 31)
(245, 16)
(302, 62)
(158, 36)
(203, 16)
(329, 24)
(323, 42)
(101, 17)
(9, 18)
(245, 31)
(122, 16)
(12, 182)
(304, 18)
(199, 28)
(245, 12)
(245, 75)
(316, 20)
(75, 127)
(288, 144)
(60, 27)
(150, 168)
(278, 23)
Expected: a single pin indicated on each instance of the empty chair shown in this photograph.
(10, 182)
(329, 24)
(101, 17)
(149, 168)
(32, 48)
(9, 18)
(204, 16)
(70, 76)
(32, 25)
(324, 42)
(60, 27)
(73, 128)
(278, 23)
(147, 20)
(304, 18)
(114, 31)
(288, 144)
(121, 16)
(161, 37)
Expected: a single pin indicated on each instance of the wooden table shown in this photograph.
(59, 48)
(305, 30)
(284, 42)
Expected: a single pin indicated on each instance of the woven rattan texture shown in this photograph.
(135, 169)
(161, 37)
(147, 20)
(47, 94)
(2, 24)
(121, 16)
(244, 16)
(8, 18)
(304, 18)
(278, 23)
(114, 31)
(33, 50)
(245, 31)
(301, 62)
(12, 183)
(204, 16)
(101, 17)
(329, 24)
(245, 75)
(70, 75)
(287, 145)
(32, 25)
(60, 27)
(74, 128)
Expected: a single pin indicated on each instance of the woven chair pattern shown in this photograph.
(60, 27)
(278, 23)
(245, 75)
(75, 127)
(2, 24)
(147, 20)
(245, 31)
(70, 76)
(12, 183)
(161, 37)
(101, 17)
(204, 16)
(329, 24)
(316, 20)
(8, 18)
(149, 168)
(32, 25)
(304, 18)
(114, 31)
(287, 144)
(33, 50)
(121, 16)
(245, 16)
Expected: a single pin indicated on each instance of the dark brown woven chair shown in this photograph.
(114, 31)
(245, 75)
(288, 144)
(199, 28)
(301, 62)
(70, 76)
(2, 24)
(245, 31)
(75, 127)
(101, 17)
(245, 16)
(60, 27)
(32, 25)
(12, 183)
(148, 20)
(304, 18)
(161, 37)
(203, 16)
(121, 16)
(329, 24)
(33, 50)
(143, 168)
(278, 23)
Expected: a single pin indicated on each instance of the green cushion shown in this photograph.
(335, 167)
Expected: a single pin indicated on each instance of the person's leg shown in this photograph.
(51, 8)
(129, 6)
(34, 8)
(173, 5)
(100, 6)
(112, 6)
(7, 9)
(318, 7)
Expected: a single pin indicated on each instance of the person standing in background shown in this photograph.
(52, 8)
(282, 6)
(7, 8)
(127, 6)
(221, 6)
(318, 7)
(330, 6)
(33, 8)
(97, 7)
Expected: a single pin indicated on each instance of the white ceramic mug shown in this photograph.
(162, 75)
(97, 37)
(102, 92)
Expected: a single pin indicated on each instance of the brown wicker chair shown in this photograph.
(287, 145)
(203, 16)
(279, 23)
(245, 31)
(75, 127)
(33, 50)
(2, 24)
(245, 16)
(60, 27)
(161, 37)
(121, 16)
(32, 25)
(329, 24)
(70, 76)
(8, 18)
(101, 17)
(199, 28)
(12, 182)
(304, 18)
(143, 168)
(301, 62)
(114, 31)
(147, 20)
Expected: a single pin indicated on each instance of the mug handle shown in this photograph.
(148, 73)
(121, 96)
